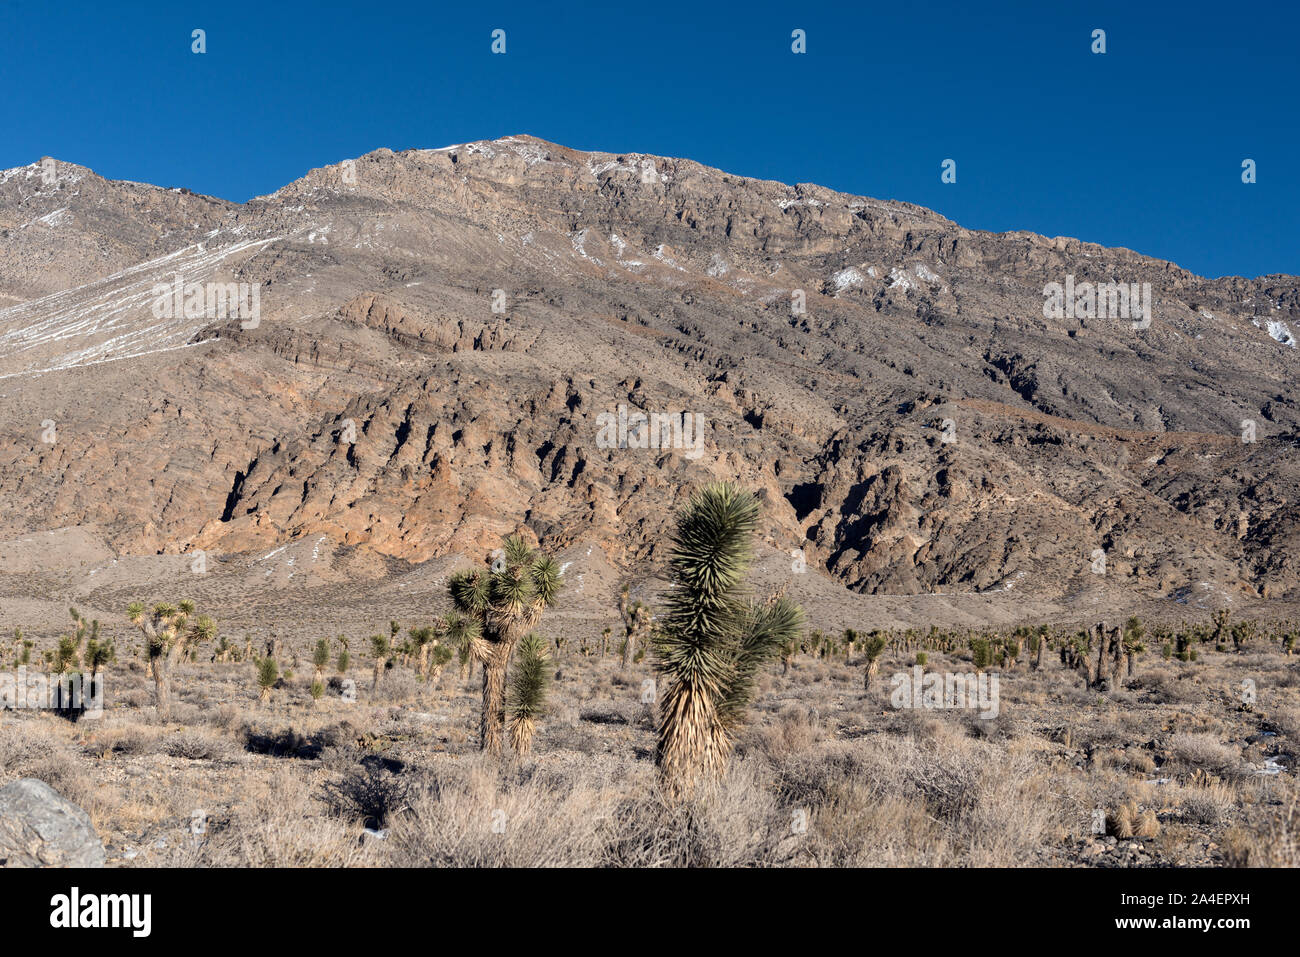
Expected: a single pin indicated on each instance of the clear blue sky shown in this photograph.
(1140, 147)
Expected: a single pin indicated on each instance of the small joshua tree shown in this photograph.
(713, 640)
(636, 625)
(1134, 633)
(871, 650)
(320, 658)
(461, 632)
(506, 600)
(381, 649)
(439, 658)
(171, 632)
(268, 673)
(526, 696)
(98, 653)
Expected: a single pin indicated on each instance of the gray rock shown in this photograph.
(39, 828)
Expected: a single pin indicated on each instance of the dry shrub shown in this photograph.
(280, 825)
(1205, 752)
(471, 813)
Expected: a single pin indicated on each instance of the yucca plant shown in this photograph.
(320, 657)
(872, 648)
(636, 625)
(268, 673)
(713, 639)
(526, 697)
(171, 632)
(381, 650)
(439, 657)
(462, 633)
(506, 600)
(98, 653)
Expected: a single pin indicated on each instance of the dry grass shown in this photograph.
(823, 774)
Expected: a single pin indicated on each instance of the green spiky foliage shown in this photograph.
(463, 634)
(1133, 641)
(268, 673)
(872, 648)
(65, 655)
(99, 652)
(713, 640)
(981, 653)
(171, 633)
(526, 695)
(506, 600)
(320, 657)
(439, 657)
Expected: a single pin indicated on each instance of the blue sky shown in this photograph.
(1140, 147)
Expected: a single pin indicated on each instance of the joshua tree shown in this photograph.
(98, 653)
(320, 658)
(268, 673)
(1038, 643)
(382, 651)
(462, 633)
(871, 650)
(439, 657)
(171, 632)
(527, 694)
(1134, 633)
(604, 640)
(713, 640)
(636, 624)
(506, 601)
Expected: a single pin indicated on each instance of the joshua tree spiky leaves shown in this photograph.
(462, 634)
(506, 601)
(268, 673)
(170, 632)
(713, 640)
(526, 697)
(320, 658)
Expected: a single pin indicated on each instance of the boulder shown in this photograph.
(39, 828)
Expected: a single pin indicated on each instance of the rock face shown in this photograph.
(38, 828)
(442, 331)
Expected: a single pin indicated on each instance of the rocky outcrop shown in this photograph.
(39, 828)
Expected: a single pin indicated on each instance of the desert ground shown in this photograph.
(1176, 766)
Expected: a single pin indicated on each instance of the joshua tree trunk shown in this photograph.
(379, 671)
(162, 691)
(1099, 674)
(521, 735)
(493, 722)
(692, 742)
(873, 666)
(1038, 658)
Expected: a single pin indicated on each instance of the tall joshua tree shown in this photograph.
(171, 632)
(713, 639)
(506, 601)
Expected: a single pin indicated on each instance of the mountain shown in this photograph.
(446, 337)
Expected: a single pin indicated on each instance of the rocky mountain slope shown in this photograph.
(443, 333)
